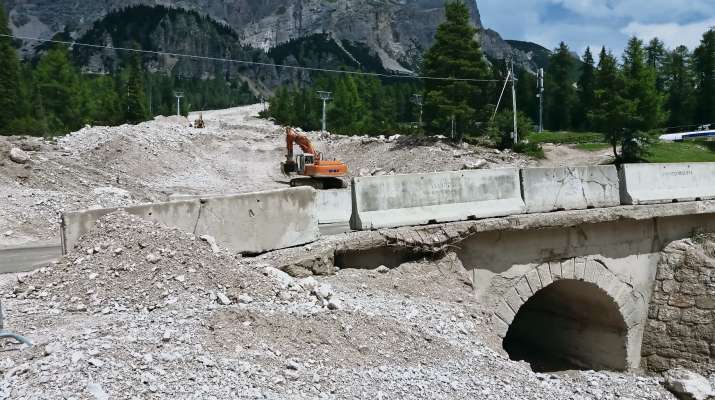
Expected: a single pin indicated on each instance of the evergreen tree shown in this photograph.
(58, 92)
(655, 57)
(704, 66)
(526, 94)
(347, 110)
(10, 107)
(135, 102)
(679, 83)
(457, 54)
(611, 113)
(640, 87)
(560, 94)
(586, 91)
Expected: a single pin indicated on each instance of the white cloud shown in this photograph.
(673, 34)
(594, 23)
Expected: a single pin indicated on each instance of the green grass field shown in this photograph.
(593, 146)
(566, 137)
(664, 152)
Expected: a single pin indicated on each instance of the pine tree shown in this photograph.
(526, 94)
(347, 110)
(611, 114)
(655, 58)
(560, 94)
(135, 102)
(680, 84)
(457, 54)
(704, 66)
(10, 107)
(640, 87)
(586, 91)
(58, 92)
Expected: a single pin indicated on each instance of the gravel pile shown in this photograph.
(138, 311)
(129, 263)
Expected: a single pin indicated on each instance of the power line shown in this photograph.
(255, 63)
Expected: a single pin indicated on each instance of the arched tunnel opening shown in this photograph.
(569, 325)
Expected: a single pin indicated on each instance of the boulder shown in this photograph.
(688, 385)
(18, 156)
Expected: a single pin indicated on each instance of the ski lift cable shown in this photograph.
(245, 62)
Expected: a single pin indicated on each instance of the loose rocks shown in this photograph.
(19, 156)
(688, 385)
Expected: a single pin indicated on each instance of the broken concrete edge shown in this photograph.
(237, 222)
(441, 236)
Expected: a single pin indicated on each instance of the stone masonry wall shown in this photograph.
(680, 330)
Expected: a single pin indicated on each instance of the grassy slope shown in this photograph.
(661, 152)
(664, 152)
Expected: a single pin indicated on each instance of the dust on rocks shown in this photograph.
(139, 310)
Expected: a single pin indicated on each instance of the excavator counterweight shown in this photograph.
(312, 169)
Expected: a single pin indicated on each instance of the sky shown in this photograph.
(595, 23)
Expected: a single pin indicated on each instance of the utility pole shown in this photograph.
(325, 96)
(513, 100)
(540, 95)
(452, 134)
(417, 99)
(179, 96)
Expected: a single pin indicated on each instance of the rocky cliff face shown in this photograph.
(398, 31)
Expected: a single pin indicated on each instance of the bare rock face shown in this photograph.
(398, 31)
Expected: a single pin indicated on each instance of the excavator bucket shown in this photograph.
(288, 167)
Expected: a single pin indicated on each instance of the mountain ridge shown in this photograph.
(397, 31)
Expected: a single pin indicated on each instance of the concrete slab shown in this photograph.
(245, 223)
(178, 214)
(420, 199)
(334, 206)
(570, 188)
(262, 221)
(666, 183)
(28, 257)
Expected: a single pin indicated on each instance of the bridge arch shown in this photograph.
(570, 314)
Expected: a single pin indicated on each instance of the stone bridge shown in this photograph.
(568, 273)
(564, 260)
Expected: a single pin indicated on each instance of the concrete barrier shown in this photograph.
(178, 214)
(570, 188)
(666, 183)
(334, 206)
(246, 223)
(260, 222)
(418, 199)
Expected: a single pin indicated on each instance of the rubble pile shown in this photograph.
(130, 263)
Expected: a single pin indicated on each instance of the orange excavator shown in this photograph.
(314, 171)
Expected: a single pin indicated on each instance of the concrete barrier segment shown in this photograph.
(666, 183)
(570, 188)
(420, 199)
(177, 214)
(262, 221)
(245, 223)
(334, 206)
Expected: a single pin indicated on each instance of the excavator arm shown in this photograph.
(293, 137)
